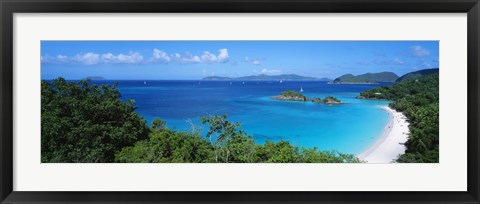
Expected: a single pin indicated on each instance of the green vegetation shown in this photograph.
(167, 146)
(415, 75)
(327, 100)
(87, 123)
(229, 144)
(366, 78)
(224, 143)
(418, 99)
(291, 95)
(331, 99)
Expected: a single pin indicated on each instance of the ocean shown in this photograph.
(349, 128)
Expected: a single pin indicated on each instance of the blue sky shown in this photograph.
(151, 60)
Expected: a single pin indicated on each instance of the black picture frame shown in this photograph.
(10, 7)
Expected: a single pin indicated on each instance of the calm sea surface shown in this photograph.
(349, 128)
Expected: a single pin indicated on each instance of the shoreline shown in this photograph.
(390, 143)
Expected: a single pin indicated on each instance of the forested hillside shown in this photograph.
(366, 78)
(418, 99)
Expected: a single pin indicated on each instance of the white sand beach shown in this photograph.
(390, 144)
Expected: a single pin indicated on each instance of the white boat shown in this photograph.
(301, 89)
(243, 82)
(281, 81)
(144, 82)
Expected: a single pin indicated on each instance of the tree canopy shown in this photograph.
(367, 78)
(87, 123)
(224, 143)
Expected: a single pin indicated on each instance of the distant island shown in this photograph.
(94, 78)
(264, 77)
(368, 78)
(290, 95)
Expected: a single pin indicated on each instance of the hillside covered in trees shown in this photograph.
(367, 78)
(88, 123)
(417, 96)
(419, 73)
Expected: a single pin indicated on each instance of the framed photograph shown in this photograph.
(255, 102)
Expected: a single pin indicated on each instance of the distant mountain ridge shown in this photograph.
(416, 74)
(368, 78)
(264, 77)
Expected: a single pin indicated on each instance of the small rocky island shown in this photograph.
(327, 100)
(289, 95)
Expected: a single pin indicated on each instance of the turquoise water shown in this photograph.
(349, 128)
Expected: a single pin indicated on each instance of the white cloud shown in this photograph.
(130, 58)
(88, 58)
(91, 58)
(208, 57)
(270, 71)
(159, 55)
(419, 51)
(223, 56)
(57, 59)
(177, 57)
(255, 61)
(188, 58)
(398, 61)
(62, 58)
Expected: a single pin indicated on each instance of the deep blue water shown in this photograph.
(349, 128)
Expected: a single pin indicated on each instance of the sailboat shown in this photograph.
(301, 89)
(243, 82)
(144, 82)
(281, 81)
